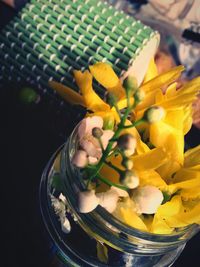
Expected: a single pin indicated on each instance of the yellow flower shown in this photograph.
(87, 97)
(153, 86)
(105, 75)
(184, 208)
(169, 132)
(187, 178)
(152, 71)
(126, 212)
(164, 213)
(189, 215)
(164, 134)
(91, 99)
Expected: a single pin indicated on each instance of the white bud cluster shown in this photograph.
(90, 150)
(88, 200)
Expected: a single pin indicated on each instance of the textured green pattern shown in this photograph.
(50, 38)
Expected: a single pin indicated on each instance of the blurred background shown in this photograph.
(34, 126)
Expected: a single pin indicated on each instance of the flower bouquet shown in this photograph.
(129, 159)
(131, 148)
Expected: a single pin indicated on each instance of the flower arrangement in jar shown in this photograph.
(131, 148)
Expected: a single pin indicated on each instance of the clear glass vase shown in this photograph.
(98, 238)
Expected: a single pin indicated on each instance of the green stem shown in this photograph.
(105, 181)
(116, 151)
(113, 167)
(118, 111)
(106, 152)
(110, 144)
(128, 100)
(136, 123)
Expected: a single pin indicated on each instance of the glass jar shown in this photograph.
(98, 238)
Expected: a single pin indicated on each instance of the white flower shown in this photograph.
(87, 201)
(91, 146)
(80, 159)
(120, 192)
(147, 199)
(87, 124)
(92, 160)
(89, 143)
(108, 200)
(107, 135)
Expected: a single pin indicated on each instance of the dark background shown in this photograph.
(30, 134)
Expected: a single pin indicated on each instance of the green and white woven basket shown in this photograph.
(48, 39)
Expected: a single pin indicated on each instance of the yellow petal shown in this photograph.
(92, 100)
(148, 220)
(180, 118)
(190, 204)
(150, 160)
(123, 103)
(188, 184)
(191, 87)
(169, 138)
(168, 169)
(192, 157)
(170, 208)
(159, 226)
(178, 101)
(125, 212)
(148, 101)
(185, 218)
(185, 174)
(104, 74)
(190, 194)
(162, 79)
(159, 97)
(165, 211)
(184, 96)
(152, 71)
(171, 90)
(187, 119)
(117, 90)
(195, 167)
(172, 141)
(129, 217)
(151, 177)
(67, 93)
(174, 118)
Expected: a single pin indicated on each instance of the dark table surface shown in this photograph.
(29, 137)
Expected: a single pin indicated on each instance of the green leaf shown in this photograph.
(166, 197)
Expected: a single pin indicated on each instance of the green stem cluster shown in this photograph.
(106, 152)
